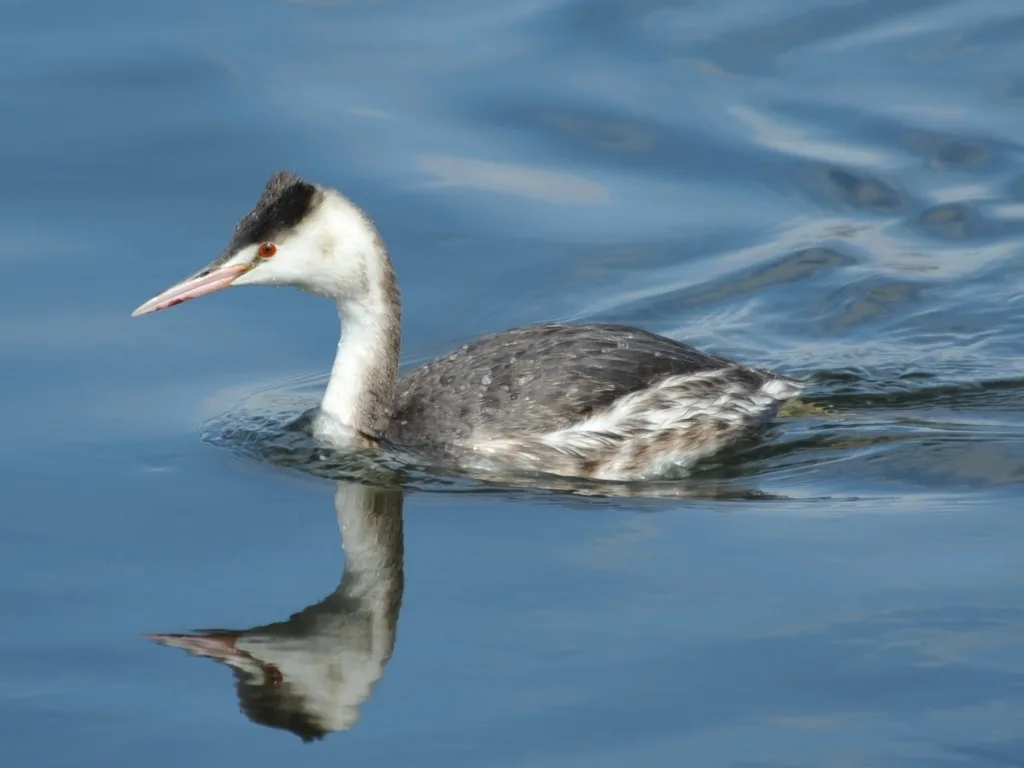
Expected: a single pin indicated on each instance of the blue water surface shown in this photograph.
(833, 189)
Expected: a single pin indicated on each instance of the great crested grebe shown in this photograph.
(599, 401)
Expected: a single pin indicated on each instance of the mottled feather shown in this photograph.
(527, 393)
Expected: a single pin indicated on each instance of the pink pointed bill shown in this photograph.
(192, 288)
(220, 646)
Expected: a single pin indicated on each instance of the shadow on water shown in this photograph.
(311, 673)
(847, 416)
(854, 391)
(280, 439)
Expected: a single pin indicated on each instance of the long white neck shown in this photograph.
(360, 394)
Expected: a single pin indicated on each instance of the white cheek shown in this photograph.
(254, 276)
(244, 256)
(277, 270)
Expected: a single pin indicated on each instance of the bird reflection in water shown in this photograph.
(311, 673)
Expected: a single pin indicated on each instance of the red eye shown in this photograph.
(266, 250)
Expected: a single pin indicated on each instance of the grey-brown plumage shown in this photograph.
(537, 379)
(531, 391)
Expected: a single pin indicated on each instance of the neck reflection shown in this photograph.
(311, 673)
